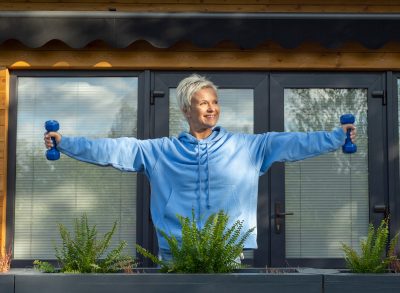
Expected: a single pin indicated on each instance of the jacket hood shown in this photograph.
(216, 134)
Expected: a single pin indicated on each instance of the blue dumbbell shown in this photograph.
(348, 146)
(52, 154)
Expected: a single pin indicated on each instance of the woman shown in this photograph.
(206, 169)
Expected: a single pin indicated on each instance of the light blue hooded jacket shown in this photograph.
(219, 172)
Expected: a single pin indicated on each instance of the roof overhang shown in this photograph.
(162, 30)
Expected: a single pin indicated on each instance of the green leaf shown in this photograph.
(372, 257)
(83, 252)
(213, 249)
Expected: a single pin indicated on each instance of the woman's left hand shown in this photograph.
(353, 132)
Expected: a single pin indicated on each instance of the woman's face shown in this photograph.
(204, 110)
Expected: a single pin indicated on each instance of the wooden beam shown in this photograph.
(185, 56)
(4, 96)
(194, 2)
(369, 6)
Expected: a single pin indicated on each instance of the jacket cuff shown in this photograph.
(340, 135)
(63, 144)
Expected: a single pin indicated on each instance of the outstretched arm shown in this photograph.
(128, 154)
(267, 148)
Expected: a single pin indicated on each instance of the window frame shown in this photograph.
(393, 150)
(142, 133)
(373, 81)
(267, 112)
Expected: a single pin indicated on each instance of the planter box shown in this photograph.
(361, 283)
(245, 281)
(6, 283)
(249, 281)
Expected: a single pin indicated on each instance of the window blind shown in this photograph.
(52, 192)
(328, 194)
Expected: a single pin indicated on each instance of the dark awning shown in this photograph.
(162, 30)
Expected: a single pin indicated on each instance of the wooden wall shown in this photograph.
(207, 5)
(185, 56)
(4, 81)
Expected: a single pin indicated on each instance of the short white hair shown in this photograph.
(188, 87)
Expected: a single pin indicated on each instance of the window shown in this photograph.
(51, 192)
(328, 194)
(243, 99)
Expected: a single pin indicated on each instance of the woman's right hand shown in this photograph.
(47, 139)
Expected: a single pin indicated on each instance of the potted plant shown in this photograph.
(368, 270)
(215, 248)
(83, 252)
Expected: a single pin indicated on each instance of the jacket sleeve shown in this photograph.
(271, 147)
(127, 154)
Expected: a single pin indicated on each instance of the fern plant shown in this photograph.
(213, 249)
(84, 253)
(372, 258)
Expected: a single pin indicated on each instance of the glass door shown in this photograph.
(243, 98)
(319, 203)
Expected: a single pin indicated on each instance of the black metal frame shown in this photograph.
(384, 180)
(142, 129)
(377, 145)
(393, 152)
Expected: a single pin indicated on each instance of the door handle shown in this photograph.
(284, 214)
(381, 208)
(279, 215)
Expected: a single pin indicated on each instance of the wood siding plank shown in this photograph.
(292, 2)
(4, 93)
(226, 57)
(206, 6)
